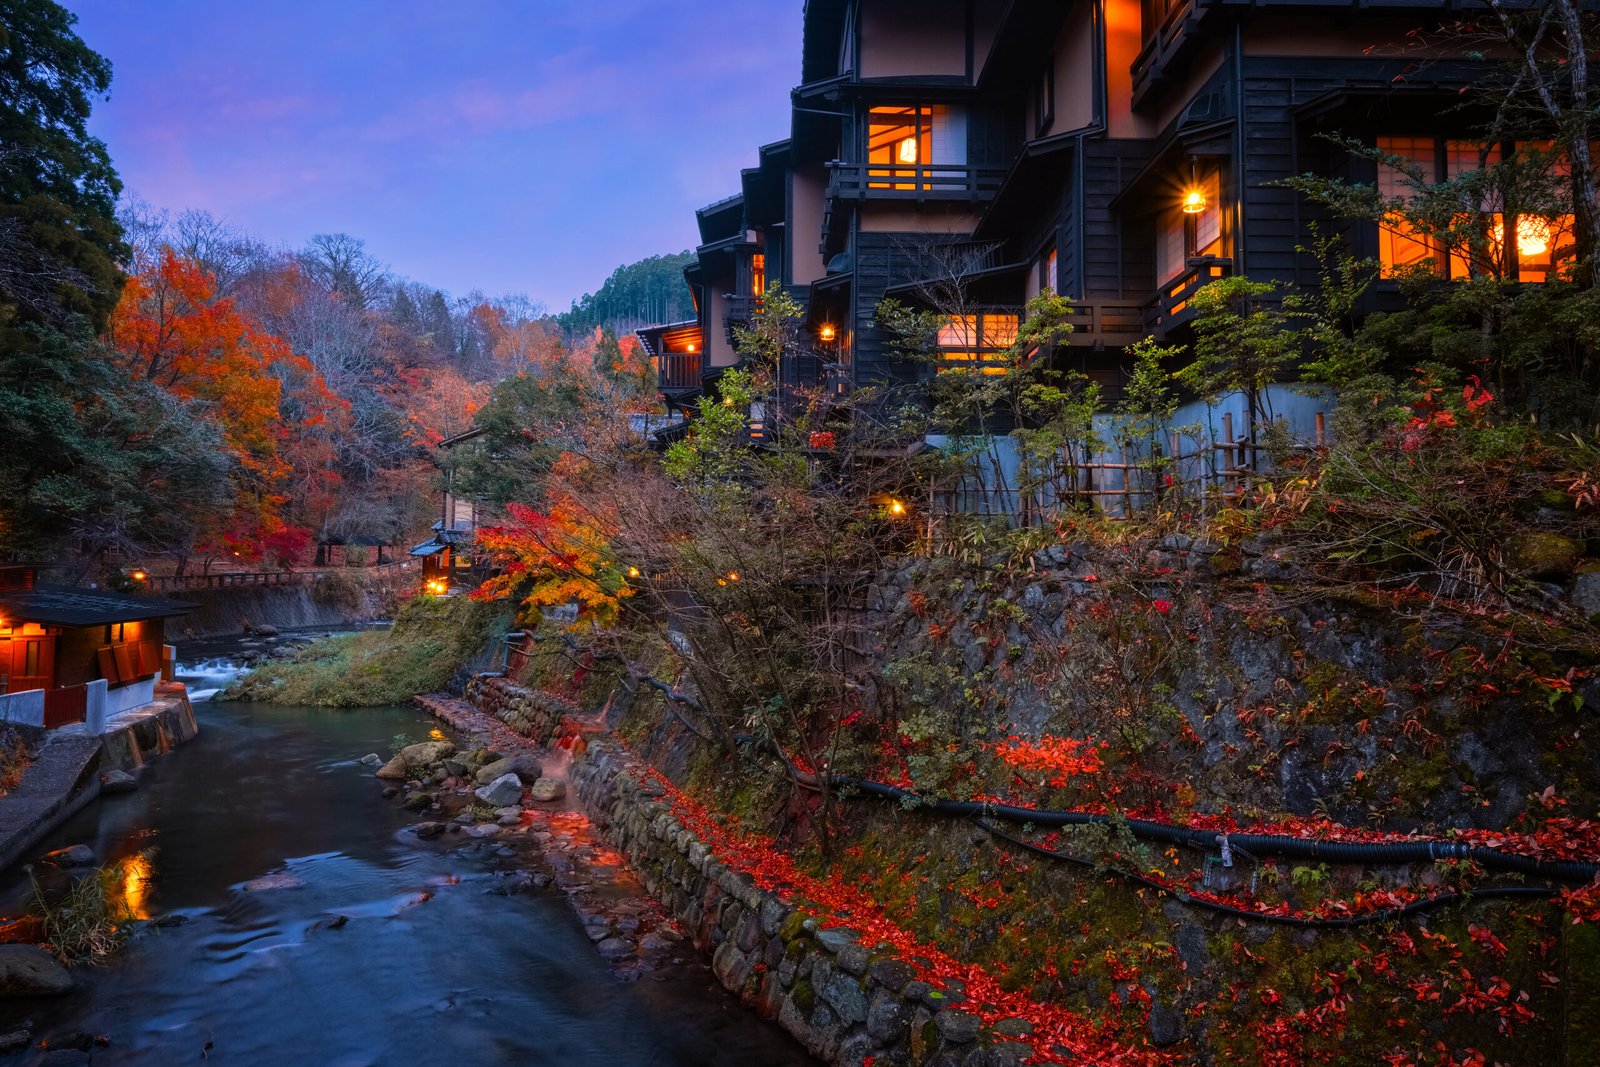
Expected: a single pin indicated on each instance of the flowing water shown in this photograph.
(426, 967)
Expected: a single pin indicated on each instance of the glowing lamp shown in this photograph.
(897, 507)
(438, 586)
(827, 333)
(633, 572)
(1533, 237)
(908, 150)
(733, 576)
(139, 575)
(1194, 202)
(691, 346)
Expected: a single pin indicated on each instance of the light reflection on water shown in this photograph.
(276, 798)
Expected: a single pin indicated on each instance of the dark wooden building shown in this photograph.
(58, 639)
(966, 155)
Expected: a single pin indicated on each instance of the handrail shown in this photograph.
(225, 579)
(914, 181)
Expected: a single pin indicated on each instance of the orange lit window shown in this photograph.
(1464, 157)
(758, 274)
(1544, 243)
(908, 146)
(977, 342)
(1400, 245)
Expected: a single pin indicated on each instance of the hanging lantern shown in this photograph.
(1194, 202)
(908, 150)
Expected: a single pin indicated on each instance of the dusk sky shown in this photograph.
(515, 146)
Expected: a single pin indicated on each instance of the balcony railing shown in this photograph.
(921, 181)
(1162, 43)
(678, 370)
(742, 311)
(1113, 325)
(1172, 307)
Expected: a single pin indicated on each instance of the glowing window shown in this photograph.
(907, 147)
(1400, 244)
(1461, 158)
(977, 342)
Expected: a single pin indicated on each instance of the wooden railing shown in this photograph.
(920, 181)
(1116, 325)
(742, 311)
(678, 370)
(227, 579)
(1172, 305)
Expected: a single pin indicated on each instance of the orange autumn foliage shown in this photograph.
(274, 411)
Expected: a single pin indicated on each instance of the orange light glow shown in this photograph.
(691, 346)
(633, 572)
(828, 332)
(897, 507)
(1533, 236)
(438, 586)
(1194, 202)
(733, 576)
(134, 883)
(139, 576)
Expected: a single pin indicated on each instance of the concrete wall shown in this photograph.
(219, 612)
(25, 708)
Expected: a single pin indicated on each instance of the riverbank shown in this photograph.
(842, 982)
(298, 910)
(72, 767)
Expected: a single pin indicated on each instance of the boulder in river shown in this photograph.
(502, 791)
(548, 789)
(523, 765)
(117, 781)
(426, 753)
(72, 856)
(394, 769)
(419, 801)
(427, 830)
(28, 971)
(372, 759)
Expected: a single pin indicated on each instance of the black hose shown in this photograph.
(1264, 844)
(1366, 919)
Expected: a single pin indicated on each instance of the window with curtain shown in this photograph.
(977, 343)
(1400, 244)
(904, 142)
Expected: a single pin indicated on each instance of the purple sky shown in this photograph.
(515, 146)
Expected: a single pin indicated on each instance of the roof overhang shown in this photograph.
(59, 605)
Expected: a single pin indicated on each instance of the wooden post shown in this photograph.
(1322, 429)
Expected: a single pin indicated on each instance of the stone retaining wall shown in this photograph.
(846, 1002)
(843, 1000)
(533, 713)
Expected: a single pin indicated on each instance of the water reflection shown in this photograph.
(320, 931)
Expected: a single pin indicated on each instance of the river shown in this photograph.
(426, 967)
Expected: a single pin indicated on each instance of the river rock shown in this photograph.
(27, 971)
(395, 769)
(502, 791)
(419, 802)
(523, 765)
(429, 830)
(372, 759)
(273, 881)
(15, 1041)
(548, 789)
(426, 753)
(266, 630)
(72, 856)
(117, 781)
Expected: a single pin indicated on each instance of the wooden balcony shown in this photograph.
(742, 311)
(921, 181)
(1172, 307)
(678, 371)
(1108, 324)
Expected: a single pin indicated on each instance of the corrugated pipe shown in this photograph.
(1256, 844)
(1367, 919)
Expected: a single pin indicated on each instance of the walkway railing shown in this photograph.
(160, 583)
